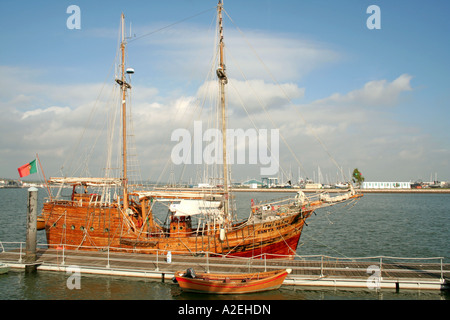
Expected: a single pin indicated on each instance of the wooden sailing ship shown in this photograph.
(226, 283)
(94, 218)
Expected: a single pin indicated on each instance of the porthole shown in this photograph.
(82, 228)
(72, 227)
(91, 228)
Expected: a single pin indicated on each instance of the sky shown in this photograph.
(341, 95)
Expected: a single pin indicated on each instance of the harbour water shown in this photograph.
(399, 225)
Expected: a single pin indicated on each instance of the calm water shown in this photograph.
(400, 225)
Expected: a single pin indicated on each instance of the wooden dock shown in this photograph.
(318, 271)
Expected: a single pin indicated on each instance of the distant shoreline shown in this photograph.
(294, 190)
(427, 190)
(342, 190)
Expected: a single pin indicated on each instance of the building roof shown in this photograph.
(252, 181)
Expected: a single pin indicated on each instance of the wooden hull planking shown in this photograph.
(89, 227)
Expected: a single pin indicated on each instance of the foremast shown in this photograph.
(223, 80)
(123, 87)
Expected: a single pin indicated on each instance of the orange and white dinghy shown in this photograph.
(40, 223)
(230, 283)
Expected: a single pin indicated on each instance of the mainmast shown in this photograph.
(223, 80)
(123, 87)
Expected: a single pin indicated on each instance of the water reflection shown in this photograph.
(45, 285)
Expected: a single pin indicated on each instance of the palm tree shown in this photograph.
(357, 177)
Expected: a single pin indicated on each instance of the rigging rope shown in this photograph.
(319, 217)
(261, 104)
(188, 120)
(171, 25)
(71, 159)
(286, 95)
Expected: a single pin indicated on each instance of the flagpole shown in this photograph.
(45, 179)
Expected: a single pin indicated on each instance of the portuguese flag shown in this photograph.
(27, 169)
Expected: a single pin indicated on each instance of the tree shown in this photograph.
(357, 177)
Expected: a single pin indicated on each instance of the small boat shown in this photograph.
(3, 268)
(40, 223)
(227, 283)
(341, 185)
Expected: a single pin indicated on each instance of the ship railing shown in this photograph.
(93, 200)
(105, 257)
(197, 230)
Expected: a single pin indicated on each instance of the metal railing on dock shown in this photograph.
(310, 270)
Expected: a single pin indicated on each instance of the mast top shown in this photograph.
(221, 73)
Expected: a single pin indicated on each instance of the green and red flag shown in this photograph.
(27, 169)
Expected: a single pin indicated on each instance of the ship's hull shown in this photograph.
(89, 227)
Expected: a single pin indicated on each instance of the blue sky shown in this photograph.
(378, 99)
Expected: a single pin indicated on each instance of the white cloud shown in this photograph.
(362, 108)
(356, 127)
(254, 96)
(279, 56)
(374, 93)
(39, 112)
(188, 53)
(359, 129)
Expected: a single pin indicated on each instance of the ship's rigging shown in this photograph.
(106, 211)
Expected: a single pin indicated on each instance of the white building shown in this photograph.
(386, 185)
